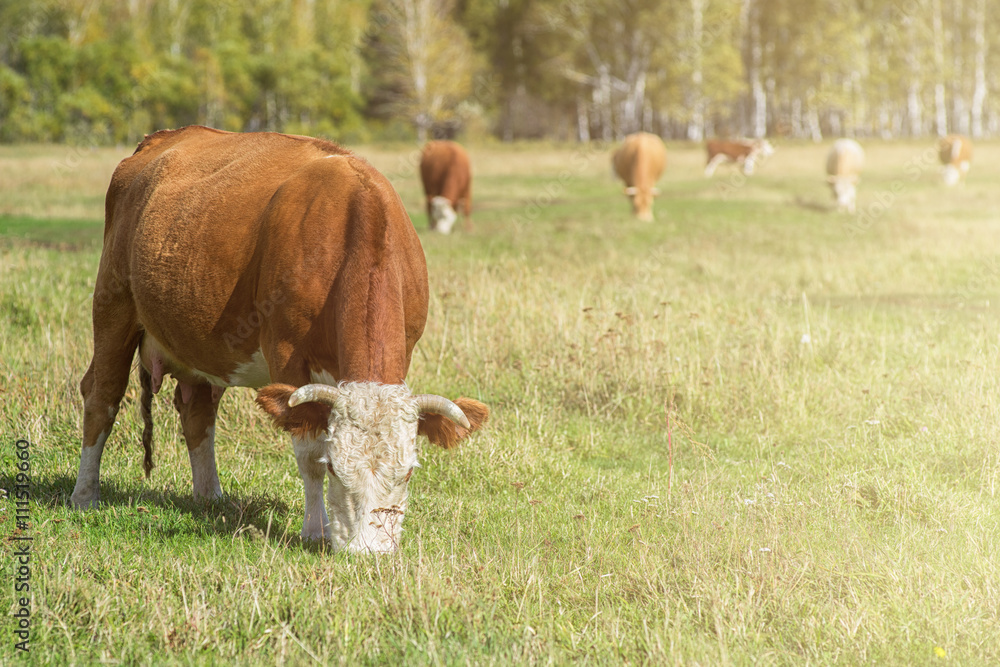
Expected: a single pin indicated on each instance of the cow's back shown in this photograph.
(212, 232)
(846, 158)
(640, 160)
(445, 169)
(955, 149)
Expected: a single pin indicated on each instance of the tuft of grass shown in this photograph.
(753, 431)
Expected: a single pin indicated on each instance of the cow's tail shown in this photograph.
(146, 409)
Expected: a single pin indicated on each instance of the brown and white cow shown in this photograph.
(639, 162)
(844, 163)
(745, 153)
(446, 174)
(276, 262)
(955, 153)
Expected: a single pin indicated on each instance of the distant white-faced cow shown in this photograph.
(844, 163)
(447, 178)
(251, 259)
(639, 162)
(746, 153)
(955, 152)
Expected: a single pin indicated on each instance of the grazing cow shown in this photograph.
(447, 179)
(745, 153)
(250, 259)
(955, 152)
(843, 169)
(639, 162)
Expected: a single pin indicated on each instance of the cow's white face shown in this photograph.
(845, 190)
(442, 214)
(368, 452)
(642, 201)
(761, 151)
(950, 174)
(361, 438)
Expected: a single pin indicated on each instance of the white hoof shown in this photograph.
(312, 535)
(203, 497)
(85, 500)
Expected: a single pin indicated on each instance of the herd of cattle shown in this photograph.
(640, 161)
(289, 265)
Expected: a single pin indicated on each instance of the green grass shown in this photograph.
(828, 388)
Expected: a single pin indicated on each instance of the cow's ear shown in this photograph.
(307, 419)
(445, 433)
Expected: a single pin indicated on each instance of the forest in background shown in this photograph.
(108, 71)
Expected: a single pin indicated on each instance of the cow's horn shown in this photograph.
(439, 405)
(313, 393)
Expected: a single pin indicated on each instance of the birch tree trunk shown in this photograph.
(696, 124)
(753, 58)
(979, 89)
(582, 120)
(415, 28)
(635, 98)
(959, 110)
(602, 101)
(756, 82)
(940, 110)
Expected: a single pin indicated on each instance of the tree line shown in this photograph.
(106, 71)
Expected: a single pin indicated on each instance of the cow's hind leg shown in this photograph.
(466, 201)
(431, 223)
(198, 406)
(103, 386)
(718, 159)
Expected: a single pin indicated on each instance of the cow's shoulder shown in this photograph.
(162, 138)
(322, 145)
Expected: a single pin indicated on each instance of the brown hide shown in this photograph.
(639, 163)
(954, 150)
(445, 171)
(218, 244)
(734, 150)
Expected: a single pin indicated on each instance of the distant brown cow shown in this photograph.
(955, 153)
(745, 153)
(447, 178)
(639, 162)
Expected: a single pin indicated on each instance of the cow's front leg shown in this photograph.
(315, 525)
(198, 405)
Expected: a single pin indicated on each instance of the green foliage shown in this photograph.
(108, 71)
(111, 74)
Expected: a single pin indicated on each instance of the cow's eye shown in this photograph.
(408, 474)
(329, 466)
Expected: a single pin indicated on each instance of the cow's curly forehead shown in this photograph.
(372, 429)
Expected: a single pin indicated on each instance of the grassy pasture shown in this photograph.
(827, 384)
